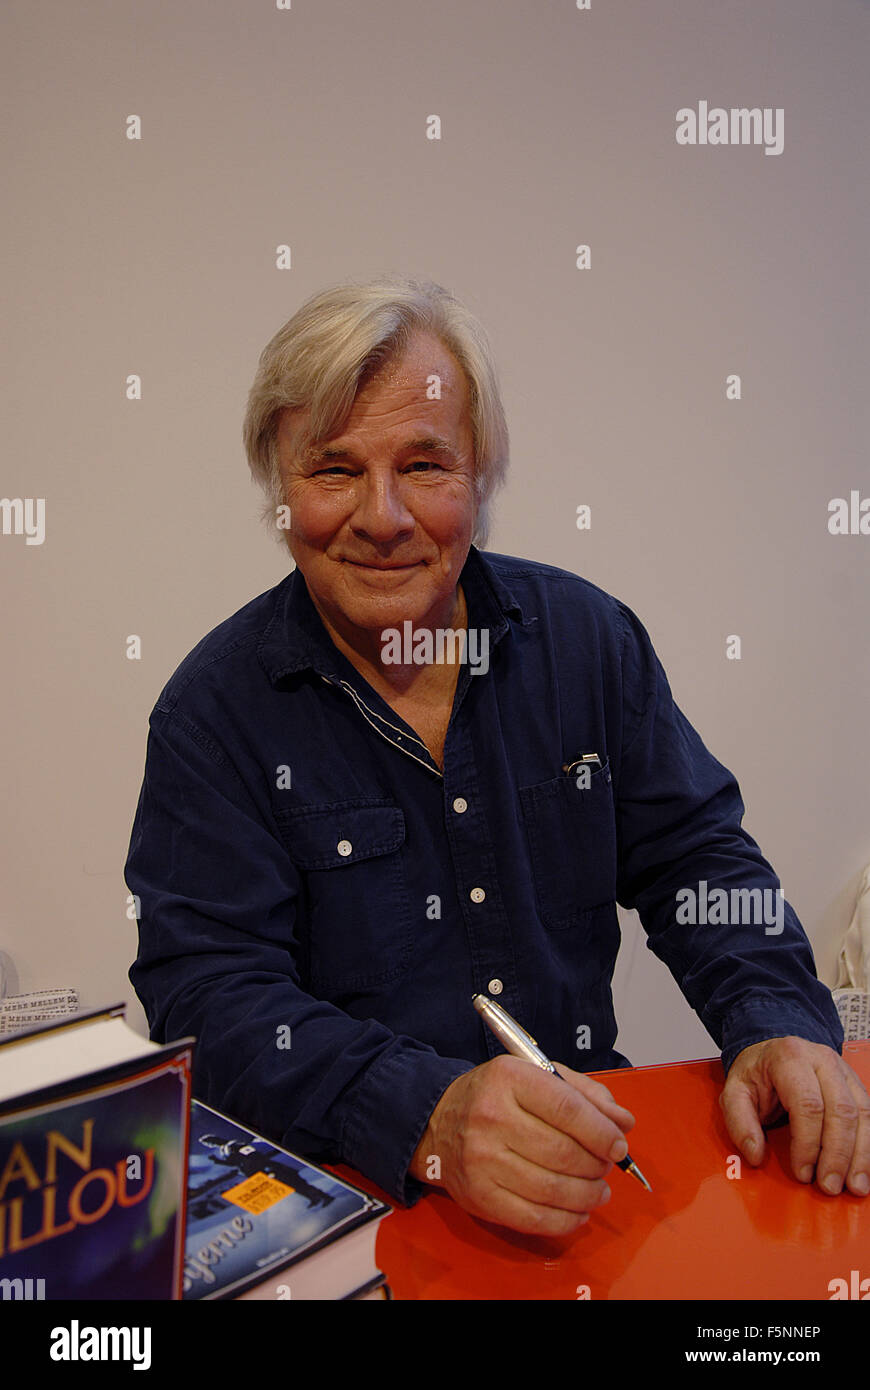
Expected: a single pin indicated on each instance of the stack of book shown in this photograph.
(115, 1183)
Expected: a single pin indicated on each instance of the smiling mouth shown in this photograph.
(362, 564)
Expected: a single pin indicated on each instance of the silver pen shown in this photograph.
(521, 1044)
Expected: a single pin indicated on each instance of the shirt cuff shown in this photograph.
(763, 1016)
(390, 1112)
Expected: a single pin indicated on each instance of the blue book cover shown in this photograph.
(92, 1183)
(254, 1209)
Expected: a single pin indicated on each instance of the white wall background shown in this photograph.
(307, 126)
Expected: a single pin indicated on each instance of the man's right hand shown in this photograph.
(520, 1148)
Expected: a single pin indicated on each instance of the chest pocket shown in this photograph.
(571, 832)
(354, 911)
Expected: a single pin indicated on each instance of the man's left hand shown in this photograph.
(827, 1106)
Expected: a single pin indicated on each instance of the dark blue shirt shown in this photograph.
(319, 902)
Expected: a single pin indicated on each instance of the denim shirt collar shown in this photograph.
(295, 638)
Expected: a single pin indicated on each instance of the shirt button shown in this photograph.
(495, 986)
(344, 848)
(460, 804)
(477, 895)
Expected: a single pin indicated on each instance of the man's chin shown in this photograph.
(375, 618)
(375, 612)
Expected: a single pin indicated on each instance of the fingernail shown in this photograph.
(861, 1183)
(605, 1195)
(806, 1173)
(753, 1149)
(832, 1183)
(619, 1150)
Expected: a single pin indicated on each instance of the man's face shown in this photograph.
(382, 514)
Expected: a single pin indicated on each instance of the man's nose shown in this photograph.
(381, 512)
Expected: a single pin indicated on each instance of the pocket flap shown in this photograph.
(331, 837)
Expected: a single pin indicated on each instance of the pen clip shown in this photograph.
(585, 760)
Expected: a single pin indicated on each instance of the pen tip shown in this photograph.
(640, 1177)
(628, 1165)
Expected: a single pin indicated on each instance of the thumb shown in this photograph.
(740, 1112)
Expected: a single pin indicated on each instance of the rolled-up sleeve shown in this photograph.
(218, 959)
(679, 814)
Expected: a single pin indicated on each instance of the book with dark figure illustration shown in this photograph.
(265, 1223)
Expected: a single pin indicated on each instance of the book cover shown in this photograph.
(92, 1183)
(254, 1209)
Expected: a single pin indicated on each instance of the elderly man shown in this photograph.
(341, 838)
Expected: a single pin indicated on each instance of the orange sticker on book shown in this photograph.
(257, 1193)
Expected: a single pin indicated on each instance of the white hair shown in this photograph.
(336, 340)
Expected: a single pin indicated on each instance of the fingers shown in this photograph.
(845, 1147)
(828, 1110)
(802, 1096)
(829, 1117)
(582, 1109)
(505, 1208)
(534, 1139)
(521, 1147)
(739, 1111)
(858, 1175)
(522, 1182)
(541, 1202)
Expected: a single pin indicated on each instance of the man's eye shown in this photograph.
(338, 468)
